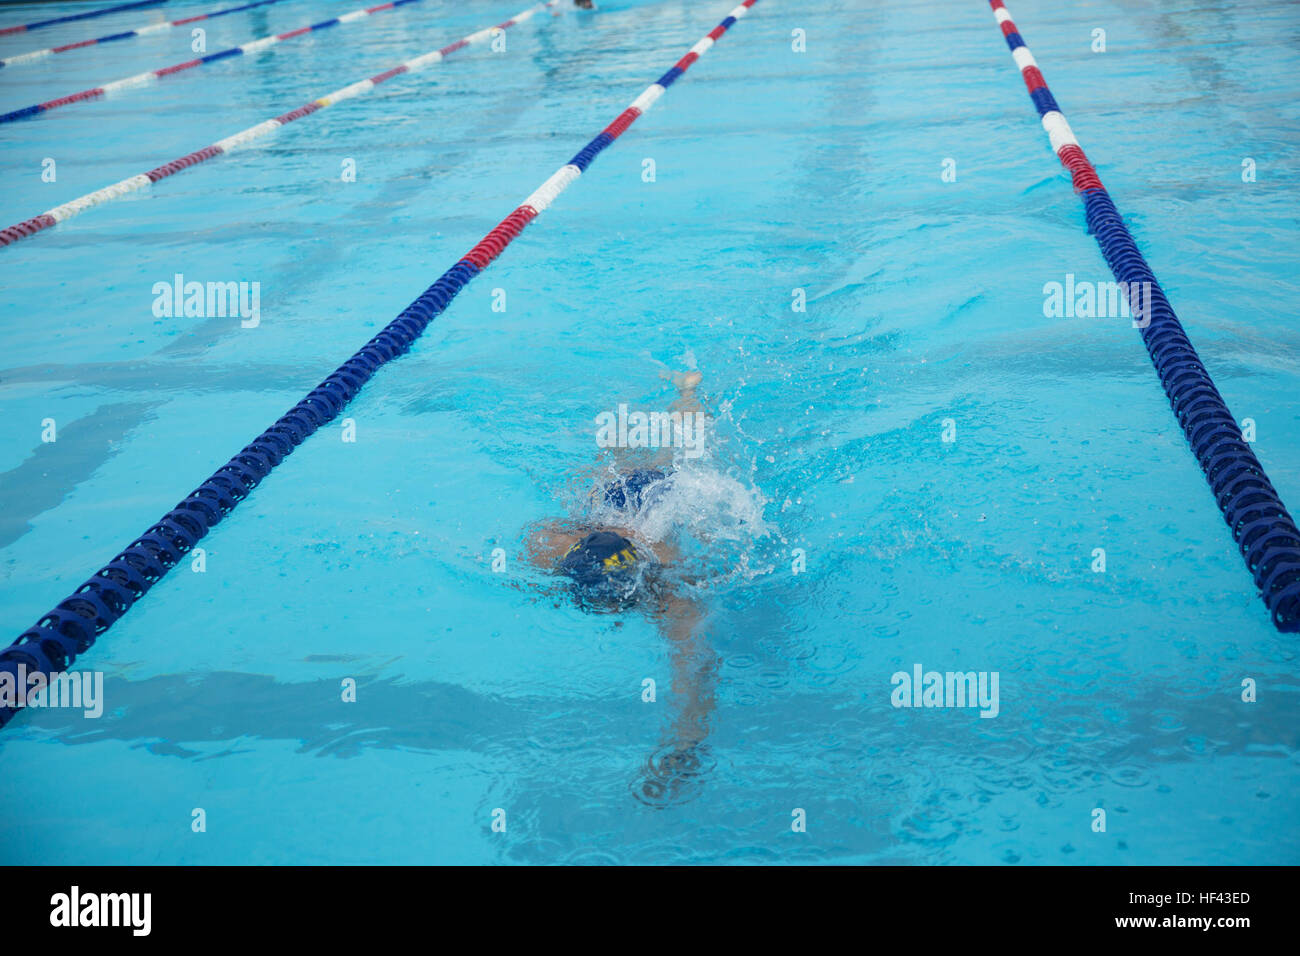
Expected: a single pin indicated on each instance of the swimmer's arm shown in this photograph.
(680, 618)
(668, 554)
(548, 542)
(694, 672)
(664, 552)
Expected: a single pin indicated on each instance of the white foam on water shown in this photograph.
(712, 518)
(701, 503)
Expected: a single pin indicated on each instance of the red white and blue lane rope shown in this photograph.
(79, 205)
(1263, 529)
(89, 14)
(142, 79)
(152, 28)
(69, 630)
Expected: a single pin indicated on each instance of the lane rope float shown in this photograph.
(152, 28)
(58, 214)
(1264, 531)
(147, 77)
(70, 629)
(89, 14)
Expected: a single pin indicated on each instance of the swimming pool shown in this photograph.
(774, 171)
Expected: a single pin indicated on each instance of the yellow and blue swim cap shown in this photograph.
(603, 567)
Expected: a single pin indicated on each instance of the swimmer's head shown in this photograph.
(605, 569)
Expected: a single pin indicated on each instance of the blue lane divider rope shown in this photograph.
(1262, 527)
(1260, 523)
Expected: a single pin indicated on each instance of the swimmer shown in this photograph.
(609, 570)
(584, 4)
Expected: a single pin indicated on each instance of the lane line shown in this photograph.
(152, 28)
(1264, 531)
(88, 15)
(74, 207)
(149, 76)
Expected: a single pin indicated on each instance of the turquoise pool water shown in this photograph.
(775, 170)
